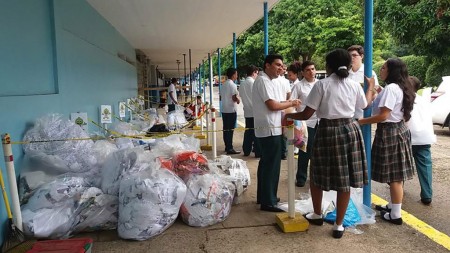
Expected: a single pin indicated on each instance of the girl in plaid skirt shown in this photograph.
(338, 159)
(392, 160)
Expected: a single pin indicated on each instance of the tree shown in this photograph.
(422, 25)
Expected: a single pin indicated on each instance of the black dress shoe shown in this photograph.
(268, 208)
(426, 201)
(317, 222)
(397, 221)
(257, 202)
(284, 158)
(382, 208)
(257, 156)
(246, 154)
(299, 184)
(233, 152)
(338, 234)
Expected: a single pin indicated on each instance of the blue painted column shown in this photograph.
(266, 30)
(367, 129)
(210, 79)
(199, 88)
(220, 79)
(234, 51)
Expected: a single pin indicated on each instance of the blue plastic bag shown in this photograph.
(351, 215)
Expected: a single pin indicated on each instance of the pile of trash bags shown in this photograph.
(72, 184)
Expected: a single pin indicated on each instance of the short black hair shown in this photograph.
(357, 48)
(173, 80)
(230, 72)
(270, 58)
(306, 64)
(251, 69)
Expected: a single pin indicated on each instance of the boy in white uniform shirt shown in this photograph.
(269, 99)
(357, 72)
(245, 92)
(229, 95)
(301, 91)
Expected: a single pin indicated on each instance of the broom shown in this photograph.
(13, 236)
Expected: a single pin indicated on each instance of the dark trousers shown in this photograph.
(171, 108)
(283, 147)
(268, 173)
(303, 157)
(250, 142)
(229, 123)
(422, 158)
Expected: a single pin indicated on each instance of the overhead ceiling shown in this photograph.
(166, 29)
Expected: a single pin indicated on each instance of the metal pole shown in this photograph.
(266, 30)
(219, 77)
(214, 135)
(234, 51)
(190, 75)
(210, 79)
(367, 129)
(291, 174)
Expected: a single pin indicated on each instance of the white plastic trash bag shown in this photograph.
(208, 200)
(149, 202)
(122, 163)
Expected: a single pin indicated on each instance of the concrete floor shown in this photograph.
(250, 230)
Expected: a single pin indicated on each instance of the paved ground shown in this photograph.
(250, 230)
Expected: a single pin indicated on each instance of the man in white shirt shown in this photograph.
(301, 91)
(245, 92)
(357, 71)
(172, 97)
(229, 96)
(269, 99)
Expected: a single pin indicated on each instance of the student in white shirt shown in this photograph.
(392, 158)
(357, 71)
(230, 100)
(172, 97)
(269, 99)
(245, 92)
(338, 160)
(301, 91)
(422, 136)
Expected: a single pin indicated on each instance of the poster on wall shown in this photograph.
(122, 109)
(81, 119)
(105, 114)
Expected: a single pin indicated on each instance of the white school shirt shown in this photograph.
(301, 90)
(336, 98)
(358, 76)
(421, 122)
(245, 91)
(267, 122)
(285, 84)
(390, 97)
(229, 89)
(174, 94)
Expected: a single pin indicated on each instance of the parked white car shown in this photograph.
(440, 103)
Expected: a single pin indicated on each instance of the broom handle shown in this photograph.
(10, 170)
(5, 197)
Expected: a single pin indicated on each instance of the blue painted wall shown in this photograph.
(57, 56)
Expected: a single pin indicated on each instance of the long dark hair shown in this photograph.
(398, 73)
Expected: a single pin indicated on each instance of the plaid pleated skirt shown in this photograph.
(338, 160)
(392, 159)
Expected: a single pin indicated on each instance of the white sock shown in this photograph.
(396, 211)
(338, 227)
(313, 216)
(389, 205)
